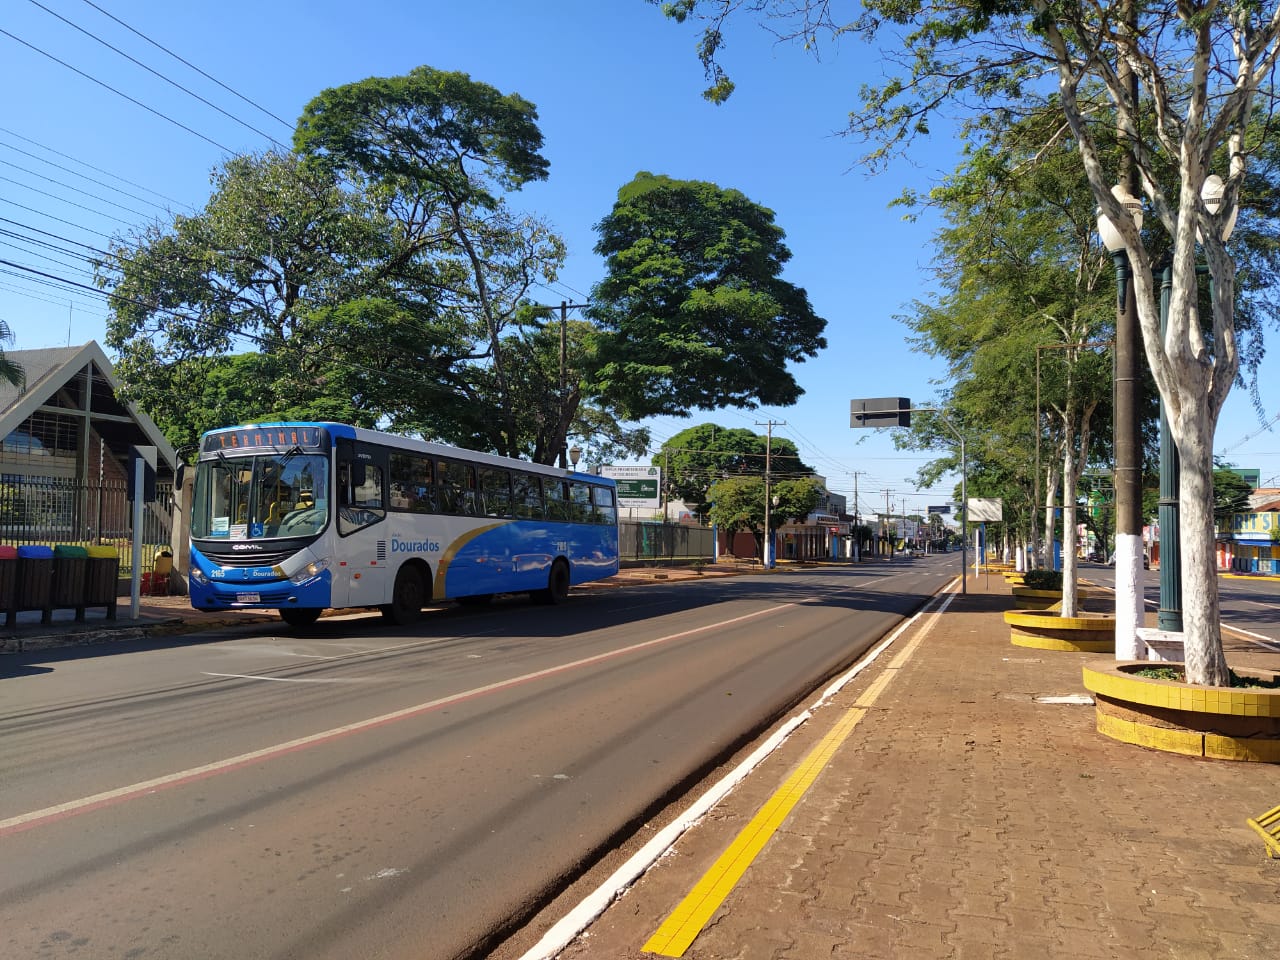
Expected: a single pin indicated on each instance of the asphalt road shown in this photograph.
(365, 792)
(1247, 604)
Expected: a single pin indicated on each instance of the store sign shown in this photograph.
(1262, 523)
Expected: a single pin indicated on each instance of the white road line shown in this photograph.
(251, 676)
(58, 811)
(576, 920)
(1260, 639)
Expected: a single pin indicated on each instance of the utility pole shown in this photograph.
(857, 530)
(888, 518)
(769, 558)
(565, 307)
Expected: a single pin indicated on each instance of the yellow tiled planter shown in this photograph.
(1047, 630)
(1029, 598)
(1224, 723)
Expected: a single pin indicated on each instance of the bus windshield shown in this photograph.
(265, 495)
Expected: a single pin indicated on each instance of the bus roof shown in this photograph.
(395, 441)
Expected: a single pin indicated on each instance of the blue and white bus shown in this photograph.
(302, 517)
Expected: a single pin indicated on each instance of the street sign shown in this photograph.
(986, 509)
(638, 486)
(880, 412)
(945, 508)
(149, 457)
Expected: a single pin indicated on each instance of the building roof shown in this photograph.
(1264, 500)
(50, 370)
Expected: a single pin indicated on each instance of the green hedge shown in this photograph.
(1043, 579)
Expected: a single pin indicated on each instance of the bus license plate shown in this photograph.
(248, 598)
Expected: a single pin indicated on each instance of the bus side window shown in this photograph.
(527, 496)
(602, 498)
(457, 488)
(579, 502)
(557, 505)
(495, 487)
(412, 483)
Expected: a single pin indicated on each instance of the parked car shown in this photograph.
(1146, 560)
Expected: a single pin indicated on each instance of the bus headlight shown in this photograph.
(198, 575)
(310, 571)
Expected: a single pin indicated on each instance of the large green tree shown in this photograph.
(1205, 68)
(376, 275)
(276, 247)
(441, 152)
(693, 308)
(699, 456)
(739, 505)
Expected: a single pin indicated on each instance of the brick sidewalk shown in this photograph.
(963, 818)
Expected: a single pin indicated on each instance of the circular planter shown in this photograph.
(1222, 723)
(1046, 630)
(1029, 598)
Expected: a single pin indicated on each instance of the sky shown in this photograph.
(617, 89)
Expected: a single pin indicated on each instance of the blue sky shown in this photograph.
(618, 91)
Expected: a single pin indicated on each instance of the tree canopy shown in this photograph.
(693, 309)
(698, 457)
(739, 504)
(376, 275)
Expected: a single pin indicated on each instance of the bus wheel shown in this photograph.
(557, 585)
(299, 616)
(406, 598)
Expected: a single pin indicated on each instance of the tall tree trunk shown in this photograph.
(1201, 614)
(1069, 593)
(1044, 558)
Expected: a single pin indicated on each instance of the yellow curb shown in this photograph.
(1188, 742)
(1071, 646)
(1052, 621)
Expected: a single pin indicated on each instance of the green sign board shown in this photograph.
(637, 489)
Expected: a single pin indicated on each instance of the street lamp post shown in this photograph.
(1169, 616)
(1128, 452)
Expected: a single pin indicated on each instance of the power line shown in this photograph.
(156, 73)
(188, 63)
(1247, 437)
(72, 203)
(107, 86)
(50, 216)
(43, 256)
(32, 295)
(78, 190)
(66, 156)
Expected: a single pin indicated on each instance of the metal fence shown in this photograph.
(639, 540)
(54, 511)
